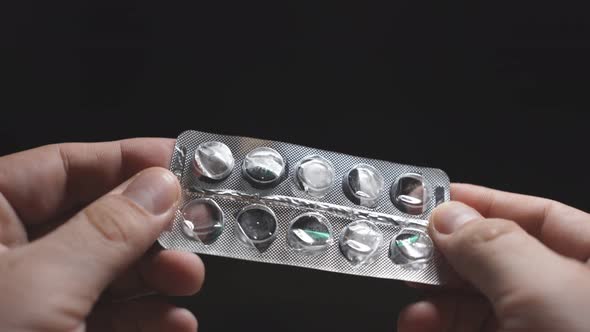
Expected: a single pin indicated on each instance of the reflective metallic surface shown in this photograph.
(257, 234)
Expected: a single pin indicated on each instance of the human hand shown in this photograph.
(525, 256)
(75, 229)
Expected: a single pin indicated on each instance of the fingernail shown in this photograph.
(451, 216)
(156, 190)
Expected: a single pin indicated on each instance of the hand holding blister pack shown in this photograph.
(280, 203)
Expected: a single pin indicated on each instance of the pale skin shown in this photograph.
(75, 240)
(521, 264)
(78, 223)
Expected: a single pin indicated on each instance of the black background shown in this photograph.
(102, 70)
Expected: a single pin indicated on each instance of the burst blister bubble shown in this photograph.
(264, 167)
(363, 185)
(360, 242)
(310, 233)
(314, 175)
(411, 248)
(411, 194)
(202, 220)
(213, 161)
(256, 226)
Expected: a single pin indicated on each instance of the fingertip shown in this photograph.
(422, 316)
(181, 319)
(155, 189)
(459, 186)
(450, 217)
(147, 151)
(174, 273)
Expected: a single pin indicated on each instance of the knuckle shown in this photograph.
(114, 218)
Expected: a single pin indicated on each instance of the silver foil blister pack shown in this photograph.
(280, 203)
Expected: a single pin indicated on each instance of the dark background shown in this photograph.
(480, 89)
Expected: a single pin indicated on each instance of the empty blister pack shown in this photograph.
(281, 203)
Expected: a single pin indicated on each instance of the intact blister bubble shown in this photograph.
(257, 225)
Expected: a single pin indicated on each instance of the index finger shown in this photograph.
(562, 228)
(43, 183)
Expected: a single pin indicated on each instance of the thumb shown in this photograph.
(101, 241)
(497, 256)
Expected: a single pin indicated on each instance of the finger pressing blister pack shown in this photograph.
(281, 203)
